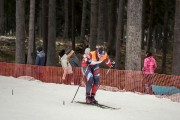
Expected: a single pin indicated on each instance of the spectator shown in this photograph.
(40, 58)
(148, 71)
(74, 61)
(63, 59)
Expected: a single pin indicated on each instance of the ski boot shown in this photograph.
(88, 99)
(94, 101)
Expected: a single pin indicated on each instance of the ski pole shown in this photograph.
(79, 85)
(75, 94)
(106, 73)
(104, 76)
(108, 70)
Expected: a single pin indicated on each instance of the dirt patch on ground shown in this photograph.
(7, 49)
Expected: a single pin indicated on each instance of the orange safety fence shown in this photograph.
(115, 80)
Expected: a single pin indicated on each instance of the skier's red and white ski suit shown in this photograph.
(90, 66)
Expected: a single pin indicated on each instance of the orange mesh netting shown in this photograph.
(115, 80)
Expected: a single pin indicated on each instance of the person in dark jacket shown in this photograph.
(73, 59)
(40, 58)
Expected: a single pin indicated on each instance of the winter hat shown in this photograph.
(148, 54)
(39, 49)
(87, 51)
(61, 53)
(68, 50)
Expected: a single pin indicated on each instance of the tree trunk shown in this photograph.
(101, 22)
(45, 24)
(66, 16)
(112, 25)
(30, 58)
(83, 20)
(1, 17)
(165, 39)
(51, 53)
(93, 24)
(119, 35)
(159, 37)
(73, 25)
(143, 23)
(151, 24)
(39, 17)
(106, 20)
(134, 35)
(20, 32)
(176, 43)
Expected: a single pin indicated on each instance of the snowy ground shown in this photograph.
(33, 100)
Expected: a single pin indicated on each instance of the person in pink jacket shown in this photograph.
(148, 71)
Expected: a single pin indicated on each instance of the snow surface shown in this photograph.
(22, 99)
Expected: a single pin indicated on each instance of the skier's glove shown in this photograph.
(112, 64)
(88, 62)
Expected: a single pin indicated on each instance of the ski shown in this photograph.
(99, 105)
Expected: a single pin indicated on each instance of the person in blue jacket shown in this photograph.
(41, 57)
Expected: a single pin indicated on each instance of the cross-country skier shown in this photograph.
(86, 56)
(90, 65)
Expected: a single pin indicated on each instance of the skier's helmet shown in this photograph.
(100, 50)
